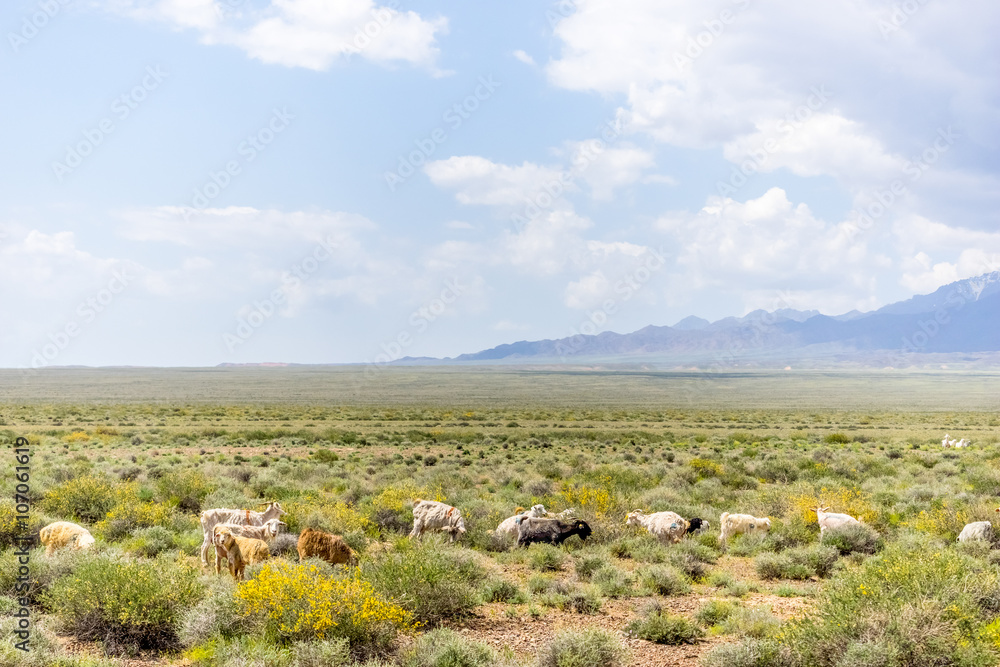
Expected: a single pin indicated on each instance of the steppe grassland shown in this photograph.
(346, 452)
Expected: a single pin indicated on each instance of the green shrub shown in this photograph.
(432, 582)
(216, 615)
(326, 653)
(151, 542)
(584, 601)
(126, 604)
(753, 653)
(836, 439)
(582, 648)
(240, 652)
(587, 566)
(447, 648)
(853, 538)
(714, 612)
(664, 628)
(931, 602)
(86, 499)
(756, 622)
(501, 590)
(613, 583)
(664, 580)
(186, 489)
(547, 558)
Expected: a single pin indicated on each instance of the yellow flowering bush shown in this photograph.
(705, 468)
(76, 436)
(943, 522)
(334, 516)
(297, 602)
(587, 498)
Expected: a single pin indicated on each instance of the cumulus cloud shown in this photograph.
(729, 74)
(477, 180)
(765, 244)
(302, 33)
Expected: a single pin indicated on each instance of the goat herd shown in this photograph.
(241, 536)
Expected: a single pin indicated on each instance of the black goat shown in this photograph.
(553, 531)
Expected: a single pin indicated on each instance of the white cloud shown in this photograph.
(478, 180)
(936, 254)
(725, 74)
(765, 244)
(524, 58)
(313, 34)
(610, 168)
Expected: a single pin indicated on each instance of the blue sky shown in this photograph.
(190, 182)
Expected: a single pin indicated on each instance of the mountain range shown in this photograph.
(959, 322)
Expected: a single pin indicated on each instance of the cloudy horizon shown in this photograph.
(195, 182)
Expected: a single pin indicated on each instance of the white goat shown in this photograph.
(735, 524)
(509, 525)
(211, 518)
(433, 515)
(665, 525)
(977, 531)
(828, 520)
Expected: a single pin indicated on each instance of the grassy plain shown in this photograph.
(134, 454)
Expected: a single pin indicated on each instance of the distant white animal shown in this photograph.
(665, 525)
(509, 525)
(829, 520)
(947, 442)
(977, 531)
(735, 524)
(962, 443)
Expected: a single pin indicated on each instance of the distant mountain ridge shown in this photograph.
(960, 318)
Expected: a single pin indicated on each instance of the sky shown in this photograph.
(195, 182)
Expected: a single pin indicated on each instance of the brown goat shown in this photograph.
(331, 548)
(239, 551)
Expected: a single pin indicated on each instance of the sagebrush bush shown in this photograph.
(754, 653)
(151, 542)
(431, 581)
(447, 648)
(582, 648)
(126, 604)
(916, 595)
(501, 590)
(664, 580)
(547, 558)
(714, 612)
(663, 628)
(853, 538)
(216, 615)
(613, 583)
